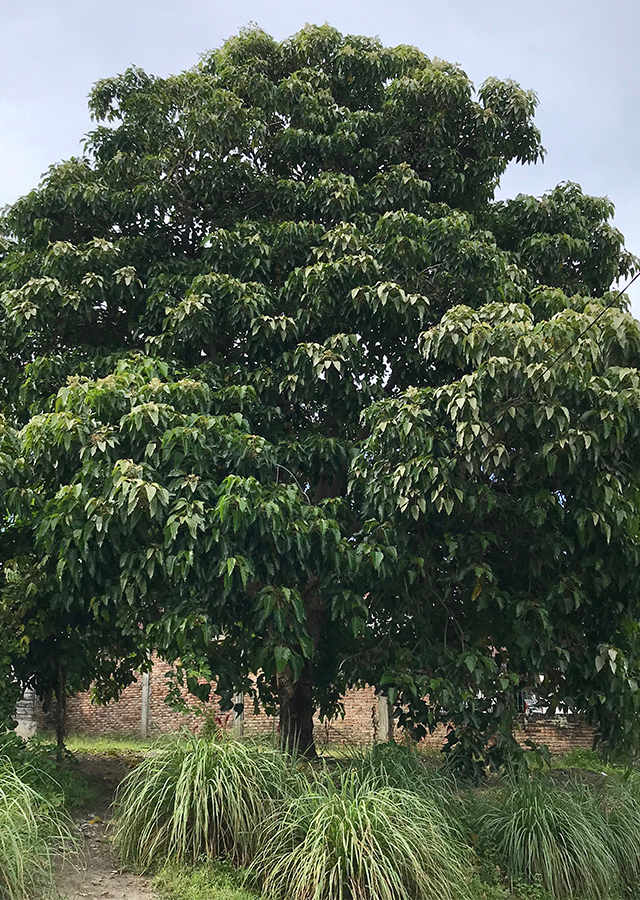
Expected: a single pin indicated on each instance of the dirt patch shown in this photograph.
(96, 873)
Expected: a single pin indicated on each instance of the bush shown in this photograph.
(350, 837)
(544, 834)
(31, 827)
(195, 798)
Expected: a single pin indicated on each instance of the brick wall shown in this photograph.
(125, 716)
(359, 725)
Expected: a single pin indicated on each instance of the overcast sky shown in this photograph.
(581, 58)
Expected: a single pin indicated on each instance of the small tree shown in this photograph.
(204, 319)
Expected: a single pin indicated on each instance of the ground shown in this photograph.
(96, 874)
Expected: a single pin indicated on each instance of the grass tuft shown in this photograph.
(542, 834)
(349, 837)
(197, 798)
(620, 805)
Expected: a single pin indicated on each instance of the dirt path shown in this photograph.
(96, 873)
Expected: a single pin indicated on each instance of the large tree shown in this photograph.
(208, 318)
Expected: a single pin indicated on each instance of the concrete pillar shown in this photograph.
(146, 705)
(384, 720)
(27, 726)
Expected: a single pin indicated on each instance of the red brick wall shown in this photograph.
(357, 726)
(124, 716)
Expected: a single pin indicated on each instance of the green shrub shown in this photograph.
(31, 827)
(195, 798)
(543, 834)
(349, 837)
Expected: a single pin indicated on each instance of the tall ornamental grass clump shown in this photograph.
(198, 798)
(620, 805)
(558, 837)
(348, 836)
(31, 829)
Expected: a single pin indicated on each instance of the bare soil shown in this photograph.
(96, 874)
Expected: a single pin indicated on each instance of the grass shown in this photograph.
(103, 745)
(620, 805)
(557, 837)
(32, 828)
(349, 836)
(196, 798)
(214, 880)
(591, 761)
(380, 824)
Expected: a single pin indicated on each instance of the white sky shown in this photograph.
(581, 57)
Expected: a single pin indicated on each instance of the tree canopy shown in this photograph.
(272, 370)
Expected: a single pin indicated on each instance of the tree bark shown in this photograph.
(296, 699)
(61, 711)
(296, 711)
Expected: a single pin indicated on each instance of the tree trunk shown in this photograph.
(296, 700)
(296, 711)
(61, 711)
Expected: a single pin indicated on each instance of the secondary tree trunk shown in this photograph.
(296, 700)
(61, 711)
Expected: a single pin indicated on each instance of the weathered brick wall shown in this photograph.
(359, 725)
(560, 733)
(124, 716)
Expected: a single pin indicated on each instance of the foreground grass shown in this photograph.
(216, 880)
(377, 824)
(197, 797)
(33, 828)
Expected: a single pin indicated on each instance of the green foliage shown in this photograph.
(349, 836)
(555, 835)
(32, 828)
(514, 491)
(196, 798)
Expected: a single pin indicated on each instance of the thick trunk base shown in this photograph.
(296, 712)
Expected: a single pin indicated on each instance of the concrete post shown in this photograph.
(146, 705)
(384, 729)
